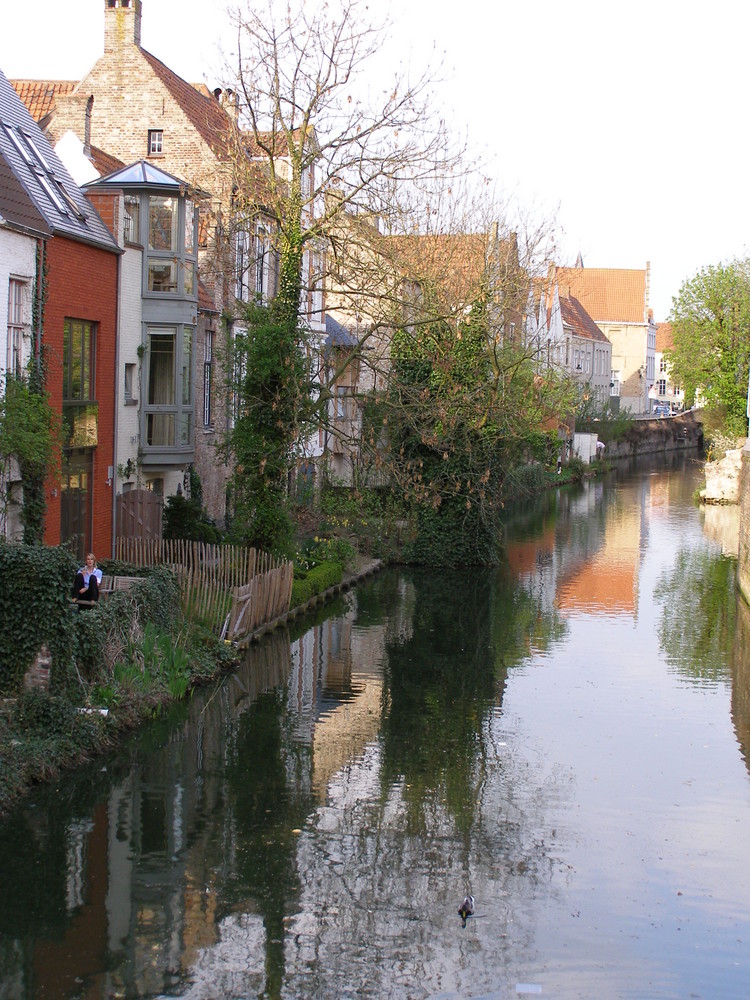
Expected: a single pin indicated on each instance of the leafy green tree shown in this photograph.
(710, 320)
(461, 411)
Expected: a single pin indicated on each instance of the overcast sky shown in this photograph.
(626, 120)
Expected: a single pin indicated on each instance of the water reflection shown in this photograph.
(309, 827)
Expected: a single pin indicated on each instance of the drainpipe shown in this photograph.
(117, 402)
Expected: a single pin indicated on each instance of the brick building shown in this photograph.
(135, 108)
(75, 276)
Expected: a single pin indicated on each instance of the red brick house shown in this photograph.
(77, 281)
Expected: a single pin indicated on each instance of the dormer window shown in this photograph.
(155, 142)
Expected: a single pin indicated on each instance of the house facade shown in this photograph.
(564, 337)
(23, 234)
(617, 299)
(665, 391)
(134, 107)
(156, 222)
(74, 290)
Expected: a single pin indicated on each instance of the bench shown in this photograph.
(110, 584)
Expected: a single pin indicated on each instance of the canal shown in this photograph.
(566, 739)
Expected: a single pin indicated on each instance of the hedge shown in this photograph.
(309, 583)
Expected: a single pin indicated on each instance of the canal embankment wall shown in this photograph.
(682, 432)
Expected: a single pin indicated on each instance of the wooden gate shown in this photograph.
(139, 514)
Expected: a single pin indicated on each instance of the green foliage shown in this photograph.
(577, 468)
(30, 434)
(184, 517)
(375, 518)
(107, 629)
(524, 481)
(35, 584)
(270, 386)
(711, 330)
(616, 428)
(325, 548)
(37, 709)
(310, 583)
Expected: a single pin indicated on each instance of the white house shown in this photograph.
(21, 230)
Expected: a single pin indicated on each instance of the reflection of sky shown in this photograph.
(660, 793)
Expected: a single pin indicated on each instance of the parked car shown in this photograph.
(662, 410)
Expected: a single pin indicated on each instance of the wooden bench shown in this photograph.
(108, 585)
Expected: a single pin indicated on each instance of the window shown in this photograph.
(17, 324)
(132, 218)
(255, 266)
(171, 238)
(168, 416)
(661, 387)
(208, 350)
(162, 223)
(662, 364)
(340, 402)
(155, 142)
(129, 384)
(80, 411)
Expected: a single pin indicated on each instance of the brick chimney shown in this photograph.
(122, 24)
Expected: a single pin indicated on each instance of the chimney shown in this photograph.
(122, 24)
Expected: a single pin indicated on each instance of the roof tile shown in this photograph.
(609, 295)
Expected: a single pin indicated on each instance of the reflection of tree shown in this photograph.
(440, 683)
(522, 624)
(698, 614)
(266, 775)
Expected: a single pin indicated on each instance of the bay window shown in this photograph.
(168, 406)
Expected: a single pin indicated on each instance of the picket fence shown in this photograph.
(229, 588)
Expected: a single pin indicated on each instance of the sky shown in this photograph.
(625, 123)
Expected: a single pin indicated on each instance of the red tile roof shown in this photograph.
(609, 295)
(664, 337)
(39, 95)
(575, 315)
(105, 163)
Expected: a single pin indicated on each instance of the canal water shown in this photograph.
(565, 739)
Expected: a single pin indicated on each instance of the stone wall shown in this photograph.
(681, 433)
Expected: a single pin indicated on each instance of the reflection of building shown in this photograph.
(341, 708)
(605, 581)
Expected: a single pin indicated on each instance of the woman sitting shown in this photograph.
(88, 578)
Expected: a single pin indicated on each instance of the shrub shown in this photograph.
(35, 585)
(309, 583)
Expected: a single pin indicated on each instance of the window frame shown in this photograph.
(155, 143)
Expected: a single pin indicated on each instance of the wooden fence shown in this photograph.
(139, 514)
(229, 588)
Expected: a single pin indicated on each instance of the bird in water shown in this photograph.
(466, 909)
